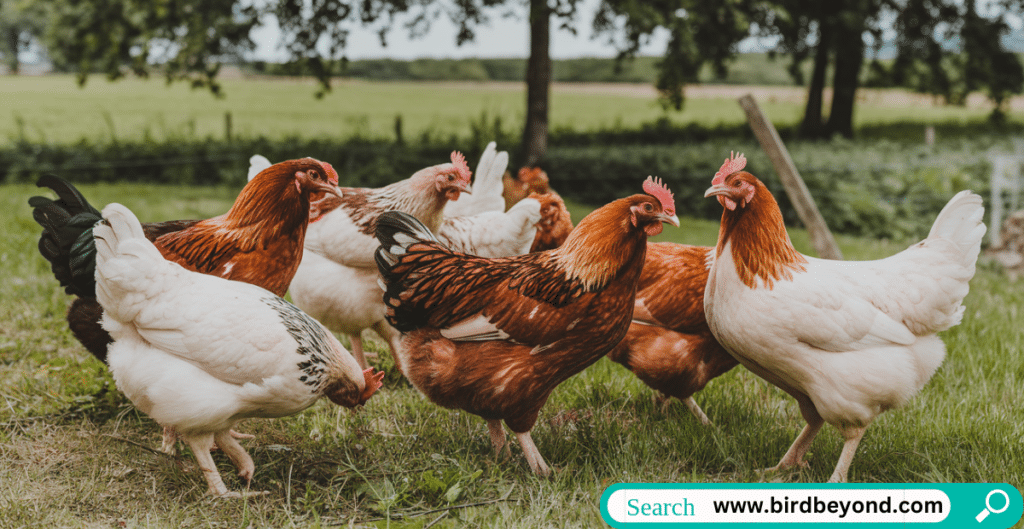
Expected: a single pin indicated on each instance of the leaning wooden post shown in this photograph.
(797, 191)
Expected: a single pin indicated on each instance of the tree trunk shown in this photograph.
(849, 59)
(538, 84)
(11, 36)
(812, 125)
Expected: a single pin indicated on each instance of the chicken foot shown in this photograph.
(533, 456)
(853, 437)
(201, 445)
(664, 401)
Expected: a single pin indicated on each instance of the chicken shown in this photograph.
(199, 353)
(529, 180)
(555, 222)
(494, 337)
(493, 233)
(480, 225)
(848, 340)
(669, 345)
(487, 186)
(336, 282)
(258, 241)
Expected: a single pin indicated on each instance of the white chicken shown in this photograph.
(336, 282)
(199, 353)
(848, 340)
(487, 186)
(479, 224)
(494, 234)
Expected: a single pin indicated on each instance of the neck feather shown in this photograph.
(761, 246)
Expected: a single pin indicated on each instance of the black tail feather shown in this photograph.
(396, 231)
(66, 241)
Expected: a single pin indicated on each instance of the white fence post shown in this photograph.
(1005, 177)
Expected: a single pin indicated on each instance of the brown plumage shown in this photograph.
(669, 345)
(528, 180)
(494, 337)
(258, 241)
(555, 222)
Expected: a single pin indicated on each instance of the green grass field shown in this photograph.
(74, 453)
(55, 109)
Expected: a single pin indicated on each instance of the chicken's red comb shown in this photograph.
(332, 175)
(374, 381)
(657, 189)
(732, 164)
(459, 161)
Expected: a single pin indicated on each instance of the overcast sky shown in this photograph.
(503, 37)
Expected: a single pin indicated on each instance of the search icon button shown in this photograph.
(988, 505)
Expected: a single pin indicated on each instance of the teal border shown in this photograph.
(966, 501)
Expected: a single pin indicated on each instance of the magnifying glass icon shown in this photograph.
(988, 505)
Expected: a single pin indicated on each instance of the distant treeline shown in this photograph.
(751, 68)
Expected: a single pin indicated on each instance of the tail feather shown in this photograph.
(126, 262)
(66, 241)
(397, 231)
(960, 222)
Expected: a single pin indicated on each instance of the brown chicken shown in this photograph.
(529, 180)
(495, 337)
(258, 241)
(555, 223)
(669, 345)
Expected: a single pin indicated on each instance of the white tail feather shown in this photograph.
(126, 262)
(257, 163)
(960, 222)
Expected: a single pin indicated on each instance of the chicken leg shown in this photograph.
(853, 437)
(501, 446)
(533, 456)
(356, 340)
(795, 455)
(201, 445)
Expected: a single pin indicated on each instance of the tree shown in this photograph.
(20, 23)
(835, 35)
(978, 63)
(188, 39)
(701, 32)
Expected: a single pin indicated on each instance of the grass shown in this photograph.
(74, 452)
(54, 109)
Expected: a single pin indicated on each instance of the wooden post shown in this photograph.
(797, 191)
(227, 126)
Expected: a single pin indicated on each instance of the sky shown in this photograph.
(502, 37)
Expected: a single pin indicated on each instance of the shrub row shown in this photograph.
(877, 189)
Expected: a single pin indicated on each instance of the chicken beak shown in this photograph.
(670, 219)
(716, 190)
(466, 189)
(330, 189)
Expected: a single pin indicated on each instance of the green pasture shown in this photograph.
(75, 453)
(53, 109)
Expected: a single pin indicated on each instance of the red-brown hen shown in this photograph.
(494, 337)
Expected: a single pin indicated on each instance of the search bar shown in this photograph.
(955, 505)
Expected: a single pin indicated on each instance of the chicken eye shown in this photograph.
(736, 183)
(451, 178)
(648, 207)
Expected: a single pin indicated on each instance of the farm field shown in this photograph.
(73, 452)
(54, 109)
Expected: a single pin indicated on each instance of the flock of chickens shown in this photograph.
(489, 301)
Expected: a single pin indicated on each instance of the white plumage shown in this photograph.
(199, 353)
(487, 186)
(848, 340)
(494, 233)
